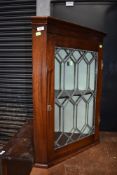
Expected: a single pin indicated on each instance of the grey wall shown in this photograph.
(43, 7)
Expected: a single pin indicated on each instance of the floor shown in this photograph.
(98, 160)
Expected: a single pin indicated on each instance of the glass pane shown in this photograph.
(82, 79)
(90, 113)
(75, 82)
(57, 74)
(92, 75)
(69, 75)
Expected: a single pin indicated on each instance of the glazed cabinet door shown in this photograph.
(75, 64)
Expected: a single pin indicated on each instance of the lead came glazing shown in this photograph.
(75, 91)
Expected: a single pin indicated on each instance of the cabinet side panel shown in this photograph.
(39, 95)
(99, 91)
(50, 96)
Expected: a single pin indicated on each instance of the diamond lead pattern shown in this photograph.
(75, 89)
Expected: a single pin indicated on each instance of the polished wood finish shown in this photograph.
(40, 95)
(99, 91)
(59, 27)
(63, 34)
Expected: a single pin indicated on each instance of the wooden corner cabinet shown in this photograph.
(67, 84)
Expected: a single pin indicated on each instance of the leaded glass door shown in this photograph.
(75, 94)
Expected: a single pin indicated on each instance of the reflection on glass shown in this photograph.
(75, 89)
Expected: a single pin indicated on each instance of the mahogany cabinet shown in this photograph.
(67, 84)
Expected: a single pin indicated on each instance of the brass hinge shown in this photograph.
(49, 108)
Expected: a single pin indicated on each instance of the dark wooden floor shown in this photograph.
(98, 160)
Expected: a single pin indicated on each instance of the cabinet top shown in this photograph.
(56, 26)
